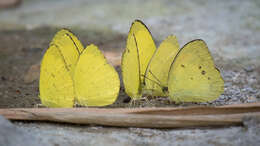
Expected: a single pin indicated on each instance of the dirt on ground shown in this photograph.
(21, 52)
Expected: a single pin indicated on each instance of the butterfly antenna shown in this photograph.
(154, 76)
(164, 89)
(152, 81)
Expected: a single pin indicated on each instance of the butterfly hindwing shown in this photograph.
(96, 82)
(193, 76)
(156, 76)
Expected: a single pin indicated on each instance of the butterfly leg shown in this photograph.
(132, 103)
(39, 105)
(178, 101)
(78, 105)
(148, 101)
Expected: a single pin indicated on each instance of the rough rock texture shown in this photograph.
(11, 135)
(87, 135)
(252, 128)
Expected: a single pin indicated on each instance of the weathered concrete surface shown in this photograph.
(85, 135)
(11, 135)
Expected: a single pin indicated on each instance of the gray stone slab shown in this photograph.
(11, 135)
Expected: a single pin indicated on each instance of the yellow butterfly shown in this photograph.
(139, 50)
(193, 76)
(156, 75)
(170, 71)
(69, 73)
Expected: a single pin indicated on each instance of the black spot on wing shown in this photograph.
(203, 72)
(165, 89)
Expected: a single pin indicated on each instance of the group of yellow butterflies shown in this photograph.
(72, 75)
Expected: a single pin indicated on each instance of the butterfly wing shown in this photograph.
(56, 84)
(96, 82)
(193, 76)
(139, 49)
(156, 76)
(131, 69)
(69, 46)
(57, 69)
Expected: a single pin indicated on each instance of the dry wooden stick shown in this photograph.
(140, 117)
